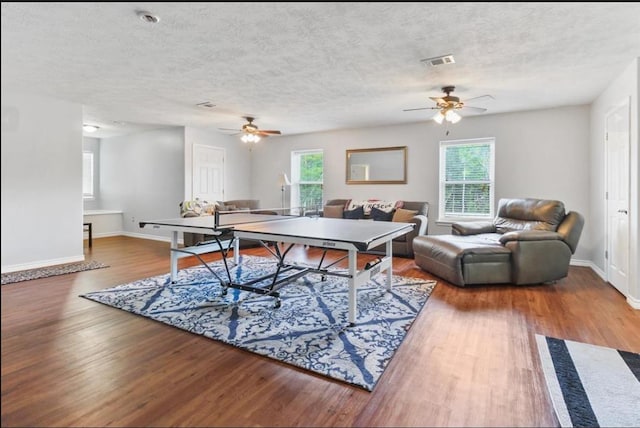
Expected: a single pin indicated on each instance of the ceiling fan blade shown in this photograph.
(422, 108)
(476, 109)
(481, 98)
(271, 132)
(438, 100)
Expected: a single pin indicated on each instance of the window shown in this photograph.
(466, 179)
(307, 170)
(87, 175)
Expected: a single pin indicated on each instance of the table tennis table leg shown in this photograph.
(353, 288)
(390, 268)
(236, 251)
(174, 256)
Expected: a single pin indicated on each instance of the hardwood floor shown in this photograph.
(469, 359)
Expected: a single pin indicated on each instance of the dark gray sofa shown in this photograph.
(402, 245)
(529, 242)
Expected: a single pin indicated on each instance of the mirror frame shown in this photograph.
(377, 150)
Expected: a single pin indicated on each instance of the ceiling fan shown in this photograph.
(448, 105)
(250, 131)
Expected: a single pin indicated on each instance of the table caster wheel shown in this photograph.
(323, 278)
(224, 291)
(277, 304)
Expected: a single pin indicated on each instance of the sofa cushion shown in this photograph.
(190, 208)
(404, 216)
(333, 211)
(355, 214)
(381, 215)
(386, 206)
(528, 214)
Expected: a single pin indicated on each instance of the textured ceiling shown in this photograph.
(308, 67)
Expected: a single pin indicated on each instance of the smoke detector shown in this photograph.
(439, 60)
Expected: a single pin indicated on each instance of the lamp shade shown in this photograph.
(438, 117)
(453, 117)
(283, 180)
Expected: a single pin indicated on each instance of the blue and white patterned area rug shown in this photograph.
(310, 329)
(591, 386)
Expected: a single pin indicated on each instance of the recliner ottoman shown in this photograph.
(458, 259)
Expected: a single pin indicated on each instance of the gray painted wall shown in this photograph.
(539, 154)
(625, 86)
(142, 175)
(41, 181)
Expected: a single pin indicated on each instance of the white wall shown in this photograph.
(142, 175)
(626, 85)
(41, 181)
(539, 154)
(237, 169)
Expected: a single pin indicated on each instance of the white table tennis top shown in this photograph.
(319, 228)
(330, 229)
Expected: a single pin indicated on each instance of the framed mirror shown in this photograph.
(383, 165)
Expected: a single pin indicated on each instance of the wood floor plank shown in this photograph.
(469, 359)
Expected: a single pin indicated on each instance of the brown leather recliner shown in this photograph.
(529, 242)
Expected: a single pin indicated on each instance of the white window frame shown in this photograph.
(448, 219)
(295, 176)
(88, 181)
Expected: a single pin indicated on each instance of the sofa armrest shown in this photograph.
(472, 228)
(530, 235)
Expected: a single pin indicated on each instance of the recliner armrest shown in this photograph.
(530, 235)
(472, 228)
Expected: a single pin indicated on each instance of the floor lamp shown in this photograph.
(283, 181)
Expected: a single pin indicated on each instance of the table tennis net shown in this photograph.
(234, 217)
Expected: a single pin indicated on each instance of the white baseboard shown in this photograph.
(41, 264)
(106, 234)
(589, 264)
(634, 303)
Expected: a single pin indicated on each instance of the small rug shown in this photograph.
(309, 330)
(591, 386)
(27, 275)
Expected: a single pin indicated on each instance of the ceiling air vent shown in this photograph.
(439, 60)
(206, 104)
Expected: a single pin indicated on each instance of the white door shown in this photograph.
(208, 173)
(617, 155)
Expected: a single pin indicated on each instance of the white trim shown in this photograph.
(634, 303)
(491, 141)
(589, 264)
(41, 264)
(101, 212)
(106, 234)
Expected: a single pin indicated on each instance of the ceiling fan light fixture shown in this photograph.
(438, 117)
(452, 116)
(250, 138)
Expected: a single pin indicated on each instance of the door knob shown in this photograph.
(622, 211)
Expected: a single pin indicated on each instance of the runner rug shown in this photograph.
(309, 329)
(27, 275)
(591, 386)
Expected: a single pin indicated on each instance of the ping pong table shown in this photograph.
(278, 234)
